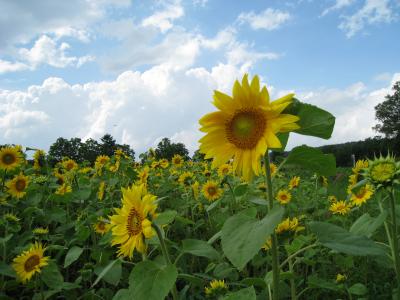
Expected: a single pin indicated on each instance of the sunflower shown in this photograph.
(38, 159)
(245, 127)
(216, 288)
(224, 170)
(360, 164)
(101, 226)
(30, 262)
(131, 223)
(11, 217)
(382, 170)
(267, 245)
(60, 177)
(100, 193)
(63, 189)
(289, 225)
(340, 207)
(283, 197)
(18, 185)
(294, 182)
(101, 160)
(340, 278)
(332, 198)
(362, 195)
(207, 173)
(69, 164)
(10, 158)
(177, 160)
(212, 191)
(164, 163)
(195, 189)
(185, 178)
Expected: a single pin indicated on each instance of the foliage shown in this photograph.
(166, 149)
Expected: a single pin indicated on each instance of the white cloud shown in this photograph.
(46, 51)
(7, 66)
(269, 19)
(163, 19)
(339, 4)
(372, 12)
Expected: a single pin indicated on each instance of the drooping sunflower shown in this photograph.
(340, 207)
(17, 186)
(245, 126)
(362, 195)
(212, 191)
(130, 224)
(10, 158)
(294, 182)
(283, 197)
(38, 159)
(30, 262)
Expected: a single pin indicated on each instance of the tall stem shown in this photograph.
(395, 241)
(274, 244)
(292, 283)
(166, 256)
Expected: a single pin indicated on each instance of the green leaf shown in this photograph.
(312, 159)
(243, 235)
(110, 273)
(149, 281)
(199, 248)
(358, 289)
(314, 121)
(316, 282)
(122, 294)
(7, 270)
(366, 225)
(72, 255)
(259, 201)
(243, 294)
(165, 217)
(240, 190)
(51, 276)
(338, 239)
(283, 138)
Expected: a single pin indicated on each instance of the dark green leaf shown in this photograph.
(358, 289)
(366, 225)
(243, 294)
(240, 190)
(72, 255)
(165, 217)
(51, 276)
(199, 248)
(110, 273)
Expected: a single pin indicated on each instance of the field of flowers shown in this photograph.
(234, 225)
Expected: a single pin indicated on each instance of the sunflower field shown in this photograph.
(234, 224)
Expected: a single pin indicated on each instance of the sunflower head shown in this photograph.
(245, 126)
(382, 171)
(294, 182)
(360, 165)
(340, 278)
(224, 170)
(186, 178)
(17, 186)
(131, 223)
(164, 163)
(10, 158)
(283, 197)
(30, 262)
(212, 191)
(102, 226)
(63, 189)
(289, 225)
(340, 207)
(100, 192)
(361, 196)
(177, 160)
(216, 288)
(69, 164)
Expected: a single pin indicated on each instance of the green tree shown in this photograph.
(388, 114)
(166, 149)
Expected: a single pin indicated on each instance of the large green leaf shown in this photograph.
(339, 239)
(110, 273)
(314, 121)
(149, 281)
(312, 159)
(165, 217)
(367, 225)
(199, 248)
(243, 235)
(72, 255)
(51, 276)
(243, 294)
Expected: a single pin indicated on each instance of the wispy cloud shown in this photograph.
(269, 19)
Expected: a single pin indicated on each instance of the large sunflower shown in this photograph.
(245, 126)
(17, 186)
(130, 224)
(30, 262)
(10, 158)
(212, 191)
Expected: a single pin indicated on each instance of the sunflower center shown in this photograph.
(9, 159)
(284, 197)
(31, 263)
(134, 224)
(211, 190)
(101, 226)
(20, 185)
(245, 128)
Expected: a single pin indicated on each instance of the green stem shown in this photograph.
(297, 253)
(292, 283)
(386, 227)
(395, 241)
(166, 256)
(274, 244)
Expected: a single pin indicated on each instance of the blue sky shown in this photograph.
(142, 70)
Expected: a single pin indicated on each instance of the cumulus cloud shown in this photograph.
(7, 66)
(162, 19)
(269, 19)
(372, 12)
